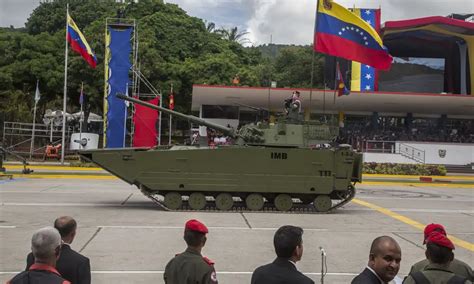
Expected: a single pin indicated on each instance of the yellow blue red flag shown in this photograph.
(79, 43)
(341, 33)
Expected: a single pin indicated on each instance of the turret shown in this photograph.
(288, 131)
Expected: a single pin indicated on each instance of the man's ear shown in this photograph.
(57, 251)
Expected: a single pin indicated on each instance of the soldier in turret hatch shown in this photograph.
(293, 106)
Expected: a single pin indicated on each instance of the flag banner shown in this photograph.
(341, 33)
(37, 92)
(81, 97)
(79, 43)
(119, 48)
(341, 86)
(364, 77)
(144, 120)
(171, 103)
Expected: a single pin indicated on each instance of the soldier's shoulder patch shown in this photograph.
(208, 261)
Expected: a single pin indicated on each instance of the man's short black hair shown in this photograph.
(438, 254)
(286, 239)
(65, 225)
(193, 238)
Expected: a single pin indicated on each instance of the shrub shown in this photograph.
(404, 169)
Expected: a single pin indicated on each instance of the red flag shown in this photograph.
(340, 86)
(144, 119)
(171, 104)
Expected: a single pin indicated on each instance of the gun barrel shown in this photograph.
(197, 120)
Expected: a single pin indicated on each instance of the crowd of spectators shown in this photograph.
(358, 132)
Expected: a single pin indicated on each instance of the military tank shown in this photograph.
(287, 165)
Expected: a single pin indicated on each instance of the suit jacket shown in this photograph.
(366, 277)
(280, 271)
(72, 265)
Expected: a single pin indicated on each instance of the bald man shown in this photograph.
(384, 262)
(72, 265)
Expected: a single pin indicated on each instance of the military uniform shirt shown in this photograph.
(190, 267)
(436, 274)
(456, 266)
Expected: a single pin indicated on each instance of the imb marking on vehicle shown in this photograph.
(279, 156)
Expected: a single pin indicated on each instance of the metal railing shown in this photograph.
(17, 136)
(412, 153)
(390, 147)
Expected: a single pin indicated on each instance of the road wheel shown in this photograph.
(322, 203)
(173, 200)
(224, 201)
(254, 201)
(197, 201)
(283, 202)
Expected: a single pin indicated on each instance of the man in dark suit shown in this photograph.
(288, 243)
(384, 262)
(73, 266)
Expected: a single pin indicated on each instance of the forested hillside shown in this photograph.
(173, 48)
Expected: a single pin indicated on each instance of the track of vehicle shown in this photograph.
(239, 206)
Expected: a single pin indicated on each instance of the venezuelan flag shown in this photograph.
(79, 43)
(363, 77)
(341, 33)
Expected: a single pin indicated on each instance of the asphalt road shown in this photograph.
(129, 240)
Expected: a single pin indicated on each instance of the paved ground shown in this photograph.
(130, 241)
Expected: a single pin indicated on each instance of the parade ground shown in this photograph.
(129, 240)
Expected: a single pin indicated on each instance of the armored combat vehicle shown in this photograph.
(283, 166)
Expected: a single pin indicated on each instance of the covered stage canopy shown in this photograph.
(436, 37)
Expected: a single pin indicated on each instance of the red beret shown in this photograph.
(195, 225)
(439, 239)
(433, 228)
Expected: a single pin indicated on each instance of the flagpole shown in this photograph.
(125, 119)
(63, 138)
(81, 118)
(169, 138)
(312, 60)
(34, 122)
(335, 81)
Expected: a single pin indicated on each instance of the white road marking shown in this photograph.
(180, 228)
(7, 227)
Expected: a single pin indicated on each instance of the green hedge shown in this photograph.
(404, 169)
(83, 164)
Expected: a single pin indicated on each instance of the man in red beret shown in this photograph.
(439, 252)
(456, 266)
(190, 266)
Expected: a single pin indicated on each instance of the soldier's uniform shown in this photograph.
(437, 274)
(190, 266)
(458, 267)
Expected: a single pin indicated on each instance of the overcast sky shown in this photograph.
(287, 21)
